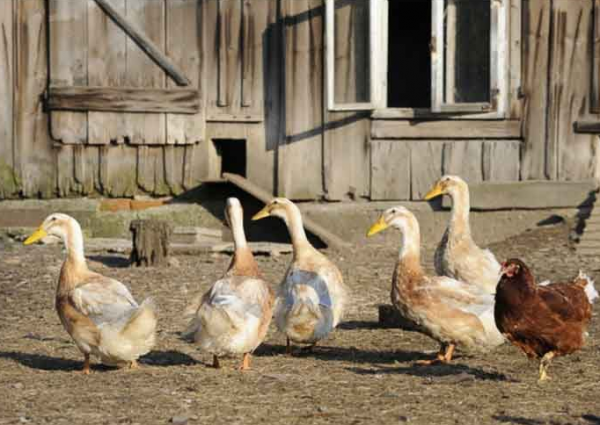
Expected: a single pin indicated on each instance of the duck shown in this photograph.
(99, 313)
(457, 255)
(233, 316)
(450, 311)
(312, 295)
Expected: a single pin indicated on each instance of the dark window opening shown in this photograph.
(233, 155)
(409, 58)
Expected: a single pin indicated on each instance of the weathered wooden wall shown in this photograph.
(557, 86)
(258, 66)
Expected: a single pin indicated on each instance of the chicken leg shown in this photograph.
(544, 364)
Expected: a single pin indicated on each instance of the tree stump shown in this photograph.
(390, 317)
(150, 243)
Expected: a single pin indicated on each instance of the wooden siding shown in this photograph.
(257, 66)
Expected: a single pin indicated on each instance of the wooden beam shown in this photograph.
(529, 195)
(332, 240)
(122, 99)
(145, 43)
(445, 129)
(587, 127)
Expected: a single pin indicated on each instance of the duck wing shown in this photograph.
(104, 300)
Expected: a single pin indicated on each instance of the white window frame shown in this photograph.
(379, 10)
(498, 47)
(377, 59)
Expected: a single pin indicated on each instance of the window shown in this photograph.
(435, 55)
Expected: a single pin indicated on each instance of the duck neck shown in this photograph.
(459, 218)
(295, 226)
(242, 262)
(75, 264)
(410, 252)
(74, 244)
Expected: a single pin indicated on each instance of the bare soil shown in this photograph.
(362, 373)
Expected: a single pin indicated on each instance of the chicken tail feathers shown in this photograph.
(588, 285)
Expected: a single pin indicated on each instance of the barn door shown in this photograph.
(125, 71)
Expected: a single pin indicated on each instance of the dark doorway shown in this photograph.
(409, 58)
(233, 155)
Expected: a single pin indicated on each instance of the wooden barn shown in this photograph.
(335, 100)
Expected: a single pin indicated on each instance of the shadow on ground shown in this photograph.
(112, 261)
(450, 373)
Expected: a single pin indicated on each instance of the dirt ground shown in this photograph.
(362, 373)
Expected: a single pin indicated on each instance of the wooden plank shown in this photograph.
(229, 52)
(123, 99)
(173, 157)
(107, 49)
(592, 127)
(148, 16)
(184, 46)
(68, 64)
(501, 160)
(35, 165)
(390, 170)
(464, 158)
(346, 164)
(145, 169)
(247, 52)
(536, 30)
(595, 95)
(414, 129)
(119, 177)
(425, 166)
(515, 58)
(146, 42)
(571, 155)
(66, 184)
(530, 195)
(301, 154)
(8, 181)
(313, 227)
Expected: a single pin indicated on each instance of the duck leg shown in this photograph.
(216, 363)
(445, 350)
(245, 362)
(86, 364)
(288, 347)
(449, 353)
(309, 348)
(544, 364)
(134, 364)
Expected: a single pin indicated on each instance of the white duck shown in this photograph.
(312, 295)
(457, 255)
(234, 315)
(98, 312)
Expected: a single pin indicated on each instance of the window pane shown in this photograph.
(409, 56)
(467, 51)
(351, 66)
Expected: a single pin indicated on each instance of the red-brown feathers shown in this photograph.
(539, 319)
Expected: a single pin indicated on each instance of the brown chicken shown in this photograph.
(546, 320)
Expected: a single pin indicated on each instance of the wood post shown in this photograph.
(150, 243)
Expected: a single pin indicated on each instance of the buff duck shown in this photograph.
(98, 312)
(457, 255)
(312, 295)
(448, 310)
(234, 315)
